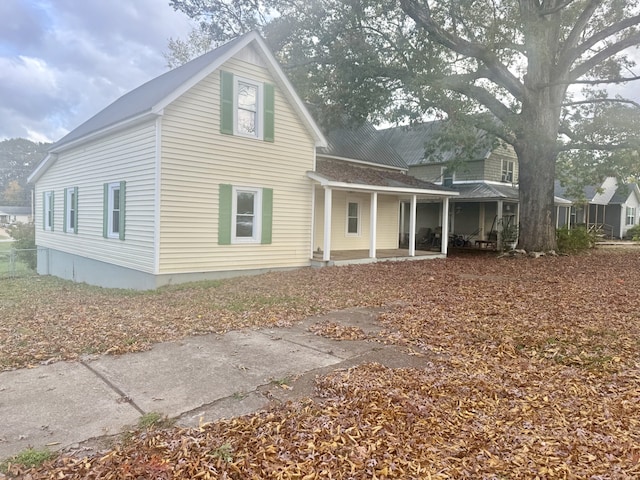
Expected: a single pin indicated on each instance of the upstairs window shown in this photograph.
(246, 107)
(448, 176)
(507, 171)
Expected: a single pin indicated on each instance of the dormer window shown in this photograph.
(447, 176)
(507, 171)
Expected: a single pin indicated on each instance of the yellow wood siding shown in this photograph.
(387, 221)
(128, 156)
(197, 158)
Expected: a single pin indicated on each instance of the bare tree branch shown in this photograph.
(602, 100)
(608, 52)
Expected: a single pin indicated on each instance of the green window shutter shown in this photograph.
(224, 214)
(75, 209)
(123, 214)
(52, 210)
(64, 211)
(267, 215)
(44, 210)
(226, 103)
(105, 211)
(269, 113)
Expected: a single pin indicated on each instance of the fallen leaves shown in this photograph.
(531, 370)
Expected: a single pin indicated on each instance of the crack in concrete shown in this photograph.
(126, 398)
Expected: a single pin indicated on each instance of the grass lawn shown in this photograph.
(533, 370)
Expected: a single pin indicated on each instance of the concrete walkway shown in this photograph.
(61, 405)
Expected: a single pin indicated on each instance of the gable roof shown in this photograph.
(594, 194)
(151, 98)
(361, 143)
(623, 192)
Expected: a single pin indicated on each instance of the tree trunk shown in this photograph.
(537, 132)
(537, 161)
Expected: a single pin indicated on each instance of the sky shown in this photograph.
(62, 61)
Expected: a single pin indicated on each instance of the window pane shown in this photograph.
(244, 226)
(246, 122)
(115, 219)
(353, 225)
(353, 209)
(245, 203)
(247, 96)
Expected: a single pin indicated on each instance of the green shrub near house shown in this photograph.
(574, 240)
(633, 233)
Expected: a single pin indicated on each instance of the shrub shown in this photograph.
(634, 233)
(24, 235)
(574, 240)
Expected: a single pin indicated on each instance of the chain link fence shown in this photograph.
(18, 262)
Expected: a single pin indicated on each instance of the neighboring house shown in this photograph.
(609, 209)
(210, 171)
(11, 215)
(487, 185)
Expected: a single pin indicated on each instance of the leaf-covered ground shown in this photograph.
(532, 371)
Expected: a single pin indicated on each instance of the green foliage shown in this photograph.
(574, 240)
(634, 233)
(25, 242)
(154, 419)
(18, 158)
(28, 458)
(224, 452)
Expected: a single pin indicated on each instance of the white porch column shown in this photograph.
(444, 241)
(402, 225)
(499, 224)
(412, 227)
(326, 246)
(373, 231)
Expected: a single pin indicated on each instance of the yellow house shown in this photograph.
(207, 171)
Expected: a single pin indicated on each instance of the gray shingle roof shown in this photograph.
(361, 143)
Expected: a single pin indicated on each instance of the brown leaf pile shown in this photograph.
(441, 422)
(532, 370)
(338, 332)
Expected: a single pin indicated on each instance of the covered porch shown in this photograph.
(357, 215)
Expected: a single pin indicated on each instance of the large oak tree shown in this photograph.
(532, 73)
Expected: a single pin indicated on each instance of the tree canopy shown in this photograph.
(532, 73)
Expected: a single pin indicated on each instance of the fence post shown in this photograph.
(12, 262)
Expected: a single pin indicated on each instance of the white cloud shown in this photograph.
(62, 61)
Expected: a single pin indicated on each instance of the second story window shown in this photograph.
(247, 120)
(507, 171)
(447, 176)
(247, 107)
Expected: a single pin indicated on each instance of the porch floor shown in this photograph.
(346, 257)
